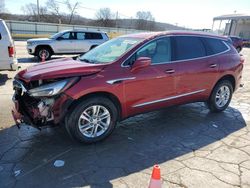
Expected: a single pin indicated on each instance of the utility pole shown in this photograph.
(116, 19)
(38, 10)
(2, 6)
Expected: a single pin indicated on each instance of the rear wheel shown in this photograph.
(92, 120)
(221, 96)
(238, 49)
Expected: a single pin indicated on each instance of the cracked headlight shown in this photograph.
(52, 89)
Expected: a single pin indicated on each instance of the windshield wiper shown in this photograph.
(87, 60)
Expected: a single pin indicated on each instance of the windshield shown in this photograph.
(56, 35)
(110, 51)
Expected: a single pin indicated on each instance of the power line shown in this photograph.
(93, 9)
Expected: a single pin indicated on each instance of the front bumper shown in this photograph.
(39, 112)
(15, 113)
(19, 114)
(30, 49)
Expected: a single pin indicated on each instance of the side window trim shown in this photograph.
(205, 56)
(177, 61)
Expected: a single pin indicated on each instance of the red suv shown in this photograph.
(125, 76)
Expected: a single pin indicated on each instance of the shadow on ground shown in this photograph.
(3, 79)
(136, 145)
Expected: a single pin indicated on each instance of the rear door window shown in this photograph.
(215, 46)
(188, 47)
(93, 36)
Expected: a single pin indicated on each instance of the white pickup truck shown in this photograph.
(8, 59)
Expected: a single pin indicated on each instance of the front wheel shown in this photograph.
(92, 120)
(220, 96)
(43, 53)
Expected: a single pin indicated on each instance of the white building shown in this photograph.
(233, 25)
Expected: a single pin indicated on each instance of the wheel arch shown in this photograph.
(43, 46)
(228, 77)
(108, 95)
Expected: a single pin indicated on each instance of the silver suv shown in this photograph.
(66, 42)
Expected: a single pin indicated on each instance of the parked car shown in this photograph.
(126, 76)
(8, 59)
(66, 42)
(246, 43)
(237, 42)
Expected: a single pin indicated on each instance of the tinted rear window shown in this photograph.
(188, 47)
(93, 36)
(215, 46)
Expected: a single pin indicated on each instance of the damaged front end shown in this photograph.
(41, 103)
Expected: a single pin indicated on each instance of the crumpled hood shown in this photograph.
(61, 68)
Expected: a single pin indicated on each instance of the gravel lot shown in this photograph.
(193, 147)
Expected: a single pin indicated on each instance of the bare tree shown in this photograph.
(72, 8)
(54, 9)
(145, 20)
(31, 11)
(104, 16)
(2, 6)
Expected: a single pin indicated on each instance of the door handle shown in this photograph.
(213, 65)
(170, 71)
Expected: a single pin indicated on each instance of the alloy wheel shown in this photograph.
(94, 121)
(222, 96)
(45, 52)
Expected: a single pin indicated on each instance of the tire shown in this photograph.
(79, 114)
(238, 49)
(218, 102)
(43, 50)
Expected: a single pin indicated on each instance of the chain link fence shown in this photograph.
(22, 30)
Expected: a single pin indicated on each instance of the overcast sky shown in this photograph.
(188, 13)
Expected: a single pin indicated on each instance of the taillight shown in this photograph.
(242, 59)
(11, 51)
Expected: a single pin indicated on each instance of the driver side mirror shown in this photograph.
(140, 63)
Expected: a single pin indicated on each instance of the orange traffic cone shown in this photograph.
(43, 57)
(155, 181)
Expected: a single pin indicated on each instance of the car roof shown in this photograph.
(83, 30)
(149, 35)
(235, 37)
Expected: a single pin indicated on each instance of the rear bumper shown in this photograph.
(238, 77)
(14, 66)
(9, 64)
